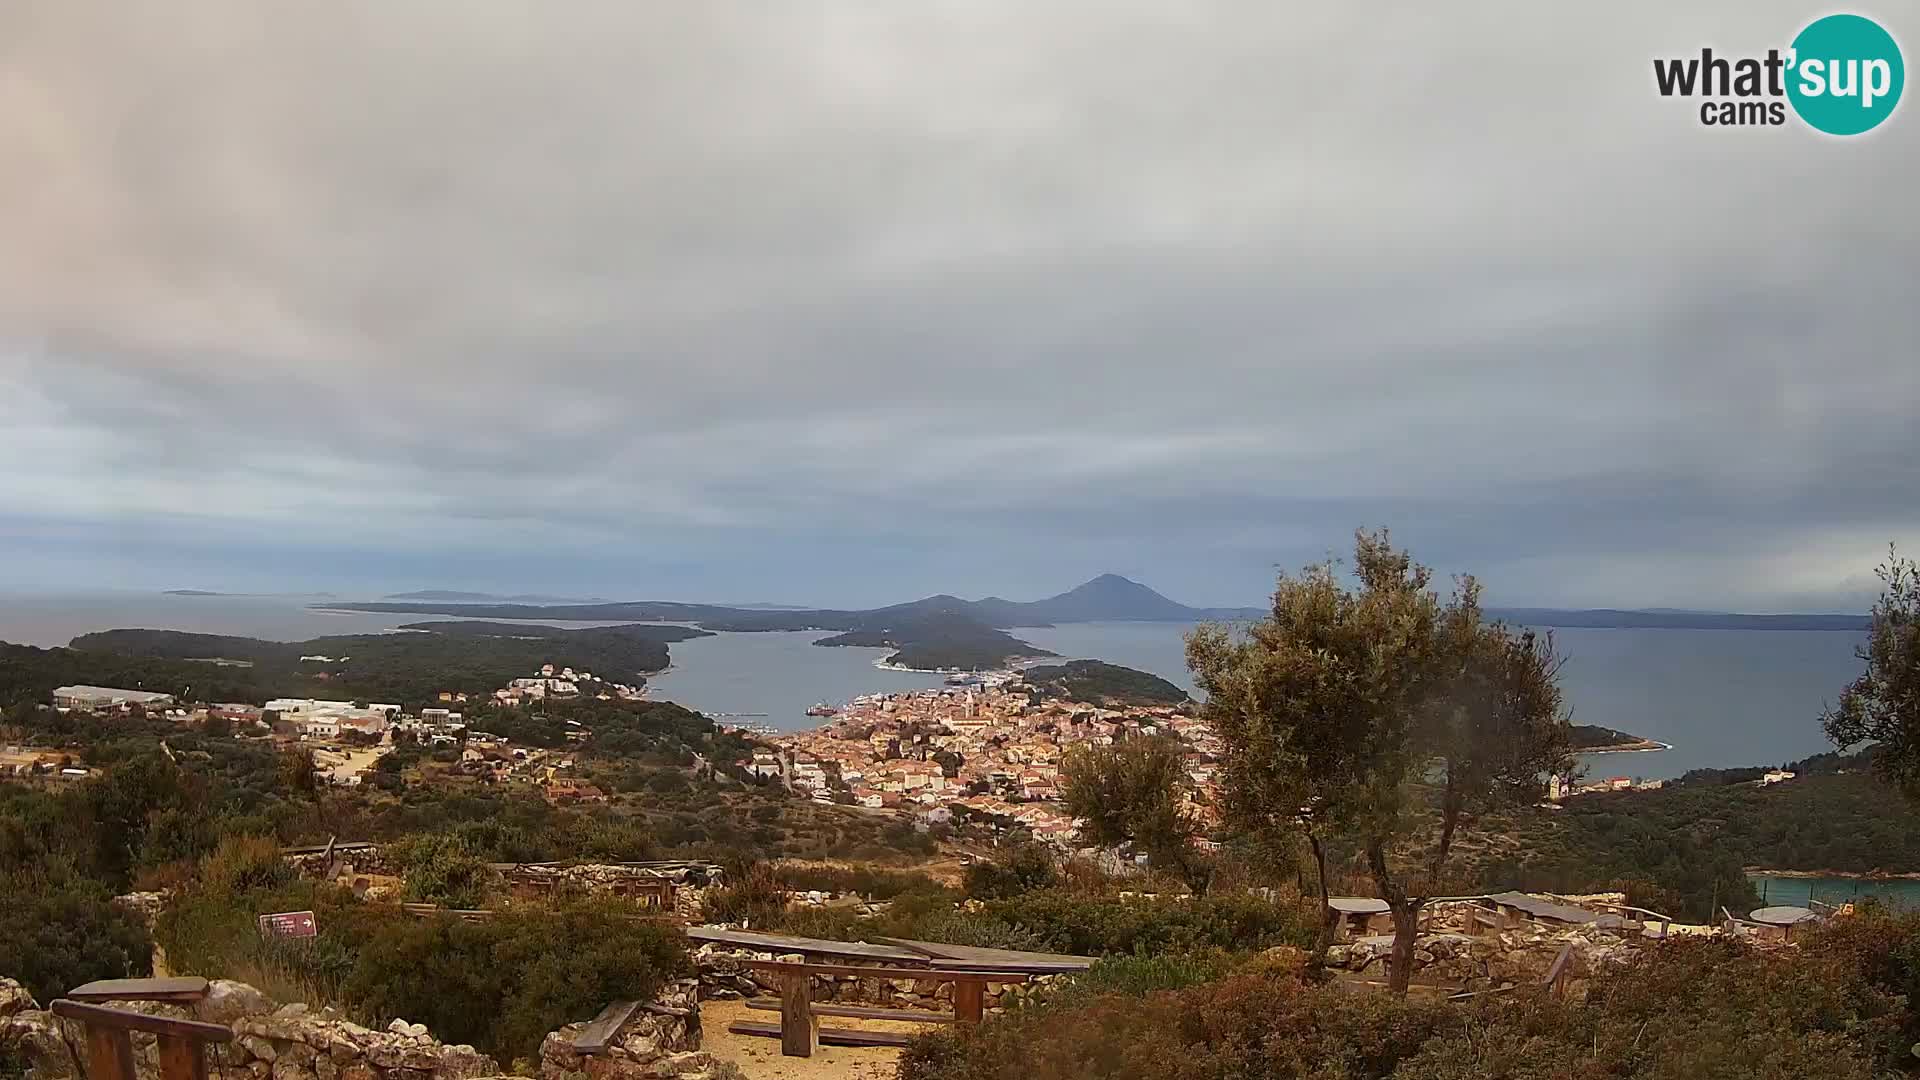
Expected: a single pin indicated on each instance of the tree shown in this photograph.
(1882, 706)
(1133, 792)
(1375, 711)
(217, 725)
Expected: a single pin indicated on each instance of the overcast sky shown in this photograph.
(847, 303)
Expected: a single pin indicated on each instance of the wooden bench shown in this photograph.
(182, 1043)
(799, 1027)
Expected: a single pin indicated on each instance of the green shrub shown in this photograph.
(1246, 1026)
(441, 869)
(503, 983)
(1096, 926)
(1020, 868)
(58, 930)
(756, 899)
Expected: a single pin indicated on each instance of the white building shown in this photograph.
(105, 697)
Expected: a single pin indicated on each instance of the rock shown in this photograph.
(285, 1069)
(39, 1039)
(359, 1071)
(15, 999)
(228, 1001)
(258, 1047)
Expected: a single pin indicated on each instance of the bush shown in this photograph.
(1690, 1008)
(1021, 868)
(1093, 926)
(756, 899)
(503, 983)
(1246, 1026)
(58, 930)
(441, 869)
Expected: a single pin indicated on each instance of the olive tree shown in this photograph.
(1134, 792)
(1882, 706)
(1372, 709)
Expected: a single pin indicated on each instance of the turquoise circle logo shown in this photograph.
(1847, 74)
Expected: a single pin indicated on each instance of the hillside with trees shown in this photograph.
(1101, 683)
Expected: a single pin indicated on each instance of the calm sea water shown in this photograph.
(1900, 893)
(1720, 697)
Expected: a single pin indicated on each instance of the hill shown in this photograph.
(1103, 684)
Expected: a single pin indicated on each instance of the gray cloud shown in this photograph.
(847, 302)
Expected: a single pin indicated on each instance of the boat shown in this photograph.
(822, 709)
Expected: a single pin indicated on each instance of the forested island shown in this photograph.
(939, 641)
(405, 668)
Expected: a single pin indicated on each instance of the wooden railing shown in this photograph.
(182, 1043)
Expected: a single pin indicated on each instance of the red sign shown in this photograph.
(289, 924)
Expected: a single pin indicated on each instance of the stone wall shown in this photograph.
(293, 1042)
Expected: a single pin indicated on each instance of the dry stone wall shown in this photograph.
(294, 1042)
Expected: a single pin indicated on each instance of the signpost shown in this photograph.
(288, 924)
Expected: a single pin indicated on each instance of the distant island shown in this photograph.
(1100, 683)
(1106, 598)
(194, 592)
(947, 633)
(447, 596)
(1593, 739)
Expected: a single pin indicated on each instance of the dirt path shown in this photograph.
(760, 1058)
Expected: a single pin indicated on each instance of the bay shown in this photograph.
(1719, 698)
(1775, 891)
(1722, 698)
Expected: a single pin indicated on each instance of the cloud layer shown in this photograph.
(845, 303)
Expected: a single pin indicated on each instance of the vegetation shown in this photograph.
(59, 929)
(1593, 736)
(1103, 684)
(1353, 712)
(1133, 793)
(407, 669)
(500, 984)
(1882, 706)
(1833, 1009)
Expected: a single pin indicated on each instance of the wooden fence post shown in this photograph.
(799, 1028)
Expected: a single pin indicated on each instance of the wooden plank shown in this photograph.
(862, 1012)
(984, 959)
(969, 1002)
(123, 1020)
(600, 1030)
(799, 1028)
(109, 1053)
(182, 989)
(784, 943)
(828, 1036)
(932, 974)
(182, 1058)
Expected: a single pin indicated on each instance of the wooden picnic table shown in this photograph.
(799, 1028)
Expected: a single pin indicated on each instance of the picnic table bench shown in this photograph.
(799, 1029)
